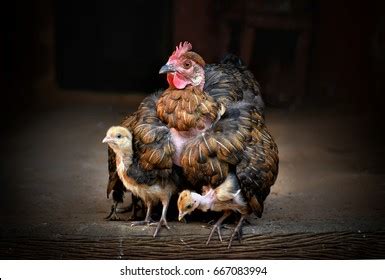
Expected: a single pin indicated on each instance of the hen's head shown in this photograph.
(186, 204)
(184, 68)
(119, 139)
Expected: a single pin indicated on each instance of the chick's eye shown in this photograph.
(119, 136)
(187, 64)
(189, 206)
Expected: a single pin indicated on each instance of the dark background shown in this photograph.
(120, 45)
(71, 69)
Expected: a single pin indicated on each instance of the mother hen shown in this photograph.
(208, 123)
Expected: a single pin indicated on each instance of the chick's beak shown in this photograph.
(167, 68)
(107, 139)
(181, 215)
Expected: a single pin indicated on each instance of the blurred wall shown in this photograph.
(112, 45)
(27, 63)
(346, 60)
(343, 45)
(198, 22)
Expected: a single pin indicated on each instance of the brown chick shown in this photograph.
(227, 197)
(120, 140)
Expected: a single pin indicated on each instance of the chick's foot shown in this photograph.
(162, 222)
(237, 231)
(217, 227)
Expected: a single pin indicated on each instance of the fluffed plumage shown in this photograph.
(210, 124)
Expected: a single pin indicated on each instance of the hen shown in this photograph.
(207, 125)
(223, 83)
(213, 131)
(220, 142)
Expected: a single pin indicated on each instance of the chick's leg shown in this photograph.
(163, 220)
(146, 220)
(237, 230)
(217, 226)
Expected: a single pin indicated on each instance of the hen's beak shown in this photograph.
(108, 139)
(167, 68)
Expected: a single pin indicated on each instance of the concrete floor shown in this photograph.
(54, 173)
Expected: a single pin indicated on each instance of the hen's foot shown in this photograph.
(123, 209)
(113, 215)
(131, 218)
(140, 223)
(133, 215)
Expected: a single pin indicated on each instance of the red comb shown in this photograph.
(181, 49)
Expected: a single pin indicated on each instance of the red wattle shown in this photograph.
(176, 80)
(170, 78)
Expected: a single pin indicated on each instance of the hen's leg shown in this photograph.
(217, 226)
(113, 214)
(146, 220)
(134, 204)
(118, 190)
(163, 220)
(237, 230)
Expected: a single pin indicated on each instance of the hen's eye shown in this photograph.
(119, 136)
(187, 64)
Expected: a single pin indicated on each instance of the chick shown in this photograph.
(226, 197)
(121, 141)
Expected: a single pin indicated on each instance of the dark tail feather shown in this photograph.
(232, 59)
(256, 206)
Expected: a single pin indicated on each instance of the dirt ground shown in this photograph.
(54, 174)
